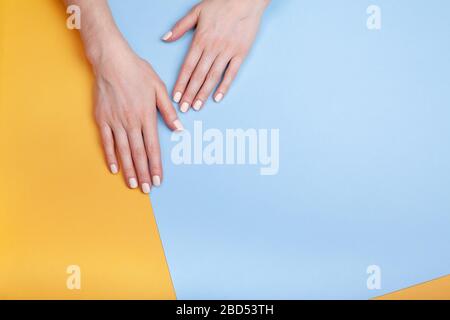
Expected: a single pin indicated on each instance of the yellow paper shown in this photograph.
(437, 289)
(59, 206)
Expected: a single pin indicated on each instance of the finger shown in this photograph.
(196, 82)
(186, 71)
(230, 75)
(167, 110)
(151, 140)
(213, 78)
(123, 148)
(140, 159)
(108, 147)
(186, 23)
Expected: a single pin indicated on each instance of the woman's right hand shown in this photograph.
(127, 96)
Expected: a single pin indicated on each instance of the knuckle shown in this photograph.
(157, 171)
(144, 177)
(214, 74)
(108, 146)
(116, 125)
(188, 96)
(224, 85)
(110, 155)
(198, 78)
(224, 43)
(177, 26)
(196, 9)
(241, 50)
(142, 171)
(139, 153)
(155, 166)
(202, 70)
(188, 67)
(239, 58)
(130, 120)
(201, 38)
(152, 149)
(195, 81)
(123, 150)
(101, 123)
(113, 119)
(202, 95)
(161, 85)
(128, 113)
(100, 117)
(146, 117)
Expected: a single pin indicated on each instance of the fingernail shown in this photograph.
(113, 169)
(178, 125)
(145, 188)
(156, 181)
(167, 36)
(177, 96)
(184, 107)
(197, 105)
(133, 183)
(218, 97)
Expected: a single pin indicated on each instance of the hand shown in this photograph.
(128, 94)
(225, 33)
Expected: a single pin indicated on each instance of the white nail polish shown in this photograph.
(177, 97)
(156, 181)
(218, 97)
(145, 188)
(133, 183)
(167, 36)
(178, 125)
(184, 107)
(113, 169)
(197, 105)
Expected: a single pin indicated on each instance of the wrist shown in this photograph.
(104, 48)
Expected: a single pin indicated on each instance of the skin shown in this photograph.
(128, 95)
(225, 32)
(128, 92)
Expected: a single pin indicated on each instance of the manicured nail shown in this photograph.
(178, 125)
(113, 169)
(177, 96)
(184, 107)
(167, 36)
(145, 188)
(197, 105)
(218, 97)
(156, 181)
(133, 183)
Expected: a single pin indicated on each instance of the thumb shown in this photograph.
(168, 113)
(187, 23)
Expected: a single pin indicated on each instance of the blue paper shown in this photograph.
(364, 160)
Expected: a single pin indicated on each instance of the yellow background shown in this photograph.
(59, 206)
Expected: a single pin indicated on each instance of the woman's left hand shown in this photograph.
(225, 31)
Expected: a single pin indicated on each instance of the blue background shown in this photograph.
(364, 161)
